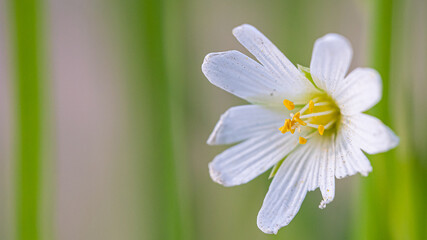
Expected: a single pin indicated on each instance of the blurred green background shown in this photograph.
(104, 115)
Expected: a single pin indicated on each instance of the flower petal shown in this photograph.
(322, 169)
(331, 58)
(294, 83)
(245, 161)
(314, 166)
(359, 91)
(327, 171)
(243, 122)
(370, 134)
(288, 188)
(240, 75)
(349, 158)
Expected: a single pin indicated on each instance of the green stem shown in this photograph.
(153, 88)
(26, 31)
(376, 195)
(175, 41)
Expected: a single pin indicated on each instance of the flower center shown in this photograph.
(321, 114)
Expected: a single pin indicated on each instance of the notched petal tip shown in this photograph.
(207, 60)
(395, 140)
(334, 37)
(328, 196)
(366, 173)
(219, 178)
(215, 175)
(325, 201)
(244, 27)
(266, 229)
(342, 176)
(213, 138)
(212, 62)
(373, 73)
(269, 226)
(210, 57)
(335, 41)
(322, 204)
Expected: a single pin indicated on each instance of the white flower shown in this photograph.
(325, 130)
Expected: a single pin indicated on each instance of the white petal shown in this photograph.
(314, 165)
(247, 160)
(243, 122)
(370, 134)
(322, 168)
(359, 91)
(240, 75)
(288, 189)
(327, 171)
(295, 85)
(331, 58)
(349, 158)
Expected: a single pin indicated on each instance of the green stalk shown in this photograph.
(163, 164)
(373, 221)
(153, 75)
(26, 29)
(402, 221)
(175, 41)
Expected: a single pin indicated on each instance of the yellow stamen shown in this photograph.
(302, 140)
(296, 115)
(321, 129)
(285, 128)
(320, 113)
(297, 119)
(311, 106)
(288, 124)
(288, 104)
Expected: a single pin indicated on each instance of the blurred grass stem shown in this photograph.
(28, 139)
(375, 189)
(381, 217)
(157, 81)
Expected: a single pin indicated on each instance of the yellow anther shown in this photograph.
(296, 115)
(320, 113)
(286, 127)
(288, 124)
(296, 118)
(321, 129)
(302, 140)
(292, 123)
(288, 104)
(311, 106)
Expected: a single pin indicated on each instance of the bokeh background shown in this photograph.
(104, 115)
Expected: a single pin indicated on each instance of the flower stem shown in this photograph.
(380, 213)
(154, 27)
(28, 138)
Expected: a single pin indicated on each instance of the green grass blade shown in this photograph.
(155, 85)
(28, 139)
(373, 220)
